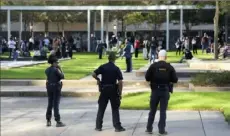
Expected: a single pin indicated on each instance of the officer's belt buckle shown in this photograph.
(161, 85)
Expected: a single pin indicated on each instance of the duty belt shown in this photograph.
(53, 84)
(108, 85)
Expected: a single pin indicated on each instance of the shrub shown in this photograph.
(212, 79)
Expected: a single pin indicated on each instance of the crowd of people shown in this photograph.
(40, 46)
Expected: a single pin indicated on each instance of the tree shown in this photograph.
(221, 8)
(134, 18)
(156, 18)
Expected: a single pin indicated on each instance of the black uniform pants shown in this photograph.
(128, 64)
(194, 49)
(54, 95)
(158, 96)
(178, 50)
(108, 94)
(136, 52)
(11, 52)
(100, 54)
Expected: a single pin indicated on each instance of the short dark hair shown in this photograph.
(112, 56)
(52, 59)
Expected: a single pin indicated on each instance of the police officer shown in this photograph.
(160, 75)
(54, 85)
(110, 91)
(100, 48)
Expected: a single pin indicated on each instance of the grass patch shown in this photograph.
(212, 79)
(183, 101)
(82, 65)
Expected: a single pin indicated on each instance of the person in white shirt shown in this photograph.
(186, 43)
(12, 46)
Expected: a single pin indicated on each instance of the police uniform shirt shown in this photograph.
(161, 73)
(53, 75)
(110, 73)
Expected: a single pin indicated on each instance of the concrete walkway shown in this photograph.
(26, 117)
(16, 64)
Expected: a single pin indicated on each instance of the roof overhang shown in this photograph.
(133, 7)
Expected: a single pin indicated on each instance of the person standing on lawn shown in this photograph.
(54, 76)
(128, 55)
(136, 47)
(109, 91)
(12, 46)
(161, 75)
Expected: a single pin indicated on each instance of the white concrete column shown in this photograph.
(8, 25)
(107, 30)
(20, 28)
(88, 22)
(181, 22)
(167, 29)
(102, 24)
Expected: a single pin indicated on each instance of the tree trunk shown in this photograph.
(58, 28)
(155, 29)
(187, 29)
(63, 30)
(46, 28)
(216, 30)
(122, 27)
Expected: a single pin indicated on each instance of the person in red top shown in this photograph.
(136, 47)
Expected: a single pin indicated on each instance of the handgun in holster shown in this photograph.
(171, 88)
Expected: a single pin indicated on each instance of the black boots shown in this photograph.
(59, 124)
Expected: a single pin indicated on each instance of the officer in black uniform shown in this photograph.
(100, 48)
(54, 85)
(161, 75)
(110, 91)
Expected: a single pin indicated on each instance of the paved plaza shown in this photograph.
(26, 117)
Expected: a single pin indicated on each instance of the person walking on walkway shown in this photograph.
(128, 55)
(160, 75)
(153, 46)
(109, 91)
(54, 75)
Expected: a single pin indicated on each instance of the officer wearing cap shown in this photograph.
(160, 75)
(109, 91)
(54, 75)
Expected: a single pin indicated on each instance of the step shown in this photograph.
(38, 91)
(84, 83)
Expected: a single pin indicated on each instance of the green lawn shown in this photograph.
(82, 65)
(183, 101)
